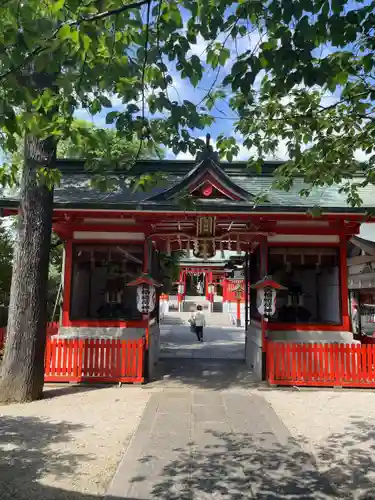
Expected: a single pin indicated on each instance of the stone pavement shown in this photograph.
(221, 341)
(212, 374)
(195, 444)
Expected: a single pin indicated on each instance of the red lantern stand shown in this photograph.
(266, 300)
(238, 292)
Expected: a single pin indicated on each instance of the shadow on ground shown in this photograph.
(54, 391)
(233, 466)
(240, 466)
(204, 374)
(26, 457)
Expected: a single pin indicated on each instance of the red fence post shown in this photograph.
(140, 354)
(271, 348)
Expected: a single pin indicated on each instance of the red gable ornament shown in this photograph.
(207, 190)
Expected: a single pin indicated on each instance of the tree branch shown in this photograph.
(146, 56)
(143, 78)
(108, 13)
(78, 22)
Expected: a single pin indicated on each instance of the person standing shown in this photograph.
(199, 323)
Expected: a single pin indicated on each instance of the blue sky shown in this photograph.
(182, 89)
(225, 118)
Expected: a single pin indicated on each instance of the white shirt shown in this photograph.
(199, 319)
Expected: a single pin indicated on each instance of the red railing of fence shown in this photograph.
(345, 365)
(94, 360)
(52, 329)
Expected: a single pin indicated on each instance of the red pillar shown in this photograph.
(344, 283)
(264, 271)
(68, 263)
(146, 269)
(225, 289)
(210, 278)
(238, 311)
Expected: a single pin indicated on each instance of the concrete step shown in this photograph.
(182, 318)
(217, 307)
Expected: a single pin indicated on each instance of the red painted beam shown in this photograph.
(108, 228)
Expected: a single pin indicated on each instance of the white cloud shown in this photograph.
(198, 48)
(361, 155)
(243, 154)
(185, 156)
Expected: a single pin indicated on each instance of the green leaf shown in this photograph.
(104, 101)
(57, 6)
(111, 117)
(224, 56)
(64, 32)
(239, 68)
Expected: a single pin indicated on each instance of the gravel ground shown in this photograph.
(338, 428)
(67, 446)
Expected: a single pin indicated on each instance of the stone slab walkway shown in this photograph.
(220, 341)
(196, 444)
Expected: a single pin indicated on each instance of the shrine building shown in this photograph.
(206, 208)
(213, 279)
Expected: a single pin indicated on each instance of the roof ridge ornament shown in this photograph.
(208, 153)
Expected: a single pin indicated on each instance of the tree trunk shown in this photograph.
(23, 362)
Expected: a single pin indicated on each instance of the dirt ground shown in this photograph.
(338, 428)
(67, 446)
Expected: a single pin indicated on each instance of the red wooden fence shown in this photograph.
(52, 329)
(345, 365)
(94, 360)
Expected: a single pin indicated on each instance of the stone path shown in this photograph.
(221, 341)
(207, 444)
(212, 374)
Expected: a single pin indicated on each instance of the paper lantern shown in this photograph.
(266, 296)
(146, 298)
(146, 292)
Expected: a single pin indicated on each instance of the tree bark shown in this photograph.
(23, 363)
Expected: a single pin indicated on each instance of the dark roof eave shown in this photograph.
(171, 207)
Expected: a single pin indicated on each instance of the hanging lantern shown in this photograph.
(168, 247)
(266, 296)
(188, 248)
(146, 292)
(180, 287)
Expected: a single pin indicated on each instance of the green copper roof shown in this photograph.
(75, 191)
